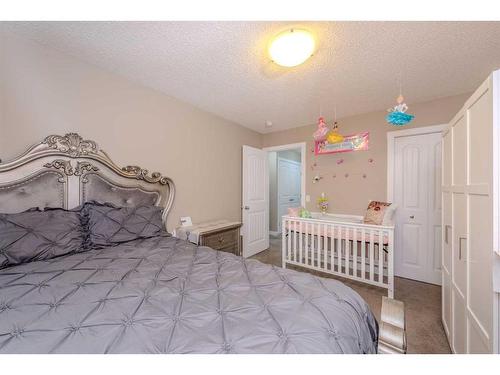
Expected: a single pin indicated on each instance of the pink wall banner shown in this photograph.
(355, 142)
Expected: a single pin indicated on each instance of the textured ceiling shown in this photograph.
(222, 67)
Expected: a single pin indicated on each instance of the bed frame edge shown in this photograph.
(392, 333)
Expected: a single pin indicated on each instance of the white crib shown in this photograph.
(341, 245)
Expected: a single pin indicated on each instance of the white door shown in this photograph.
(289, 183)
(417, 194)
(459, 225)
(471, 226)
(447, 234)
(255, 201)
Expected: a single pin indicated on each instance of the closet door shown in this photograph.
(417, 193)
(480, 295)
(459, 238)
(468, 208)
(447, 231)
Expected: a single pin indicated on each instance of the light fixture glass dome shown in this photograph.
(292, 47)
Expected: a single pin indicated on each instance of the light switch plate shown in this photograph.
(308, 198)
(186, 221)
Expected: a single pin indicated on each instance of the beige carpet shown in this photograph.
(423, 305)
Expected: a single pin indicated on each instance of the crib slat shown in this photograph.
(331, 227)
(307, 256)
(363, 254)
(372, 251)
(380, 257)
(355, 252)
(325, 247)
(289, 246)
(312, 243)
(339, 250)
(300, 242)
(390, 264)
(295, 240)
(347, 250)
(284, 249)
(318, 245)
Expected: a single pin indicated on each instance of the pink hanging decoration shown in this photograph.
(320, 134)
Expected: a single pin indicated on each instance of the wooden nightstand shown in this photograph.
(220, 235)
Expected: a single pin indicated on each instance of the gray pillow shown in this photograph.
(108, 224)
(39, 235)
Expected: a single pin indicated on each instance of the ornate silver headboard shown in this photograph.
(66, 171)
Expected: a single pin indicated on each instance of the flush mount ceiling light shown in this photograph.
(292, 47)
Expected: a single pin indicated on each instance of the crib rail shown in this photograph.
(360, 252)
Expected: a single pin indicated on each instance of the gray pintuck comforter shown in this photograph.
(164, 295)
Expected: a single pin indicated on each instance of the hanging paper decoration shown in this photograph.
(355, 142)
(320, 134)
(336, 142)
(334, 136)
(397, 115)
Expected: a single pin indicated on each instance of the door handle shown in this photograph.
(246, 208)
(412, 216)
(460, 247)
(290, 200)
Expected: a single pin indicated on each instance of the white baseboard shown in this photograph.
(274, 233)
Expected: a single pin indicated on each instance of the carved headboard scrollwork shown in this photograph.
(68, 170)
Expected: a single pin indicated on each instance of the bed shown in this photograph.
(158, 294)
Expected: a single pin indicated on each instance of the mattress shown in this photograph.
(165, 295)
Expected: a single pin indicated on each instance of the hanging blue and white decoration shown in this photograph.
(397, 115)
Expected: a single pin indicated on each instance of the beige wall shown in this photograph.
(351, 194)
(43, 91)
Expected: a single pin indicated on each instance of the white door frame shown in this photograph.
(294, 146)
(391, 137)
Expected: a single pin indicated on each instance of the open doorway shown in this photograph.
(286, 182)
(256, 206)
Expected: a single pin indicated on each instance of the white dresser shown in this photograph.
(470, 233)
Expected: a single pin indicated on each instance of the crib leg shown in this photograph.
(284, 234)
